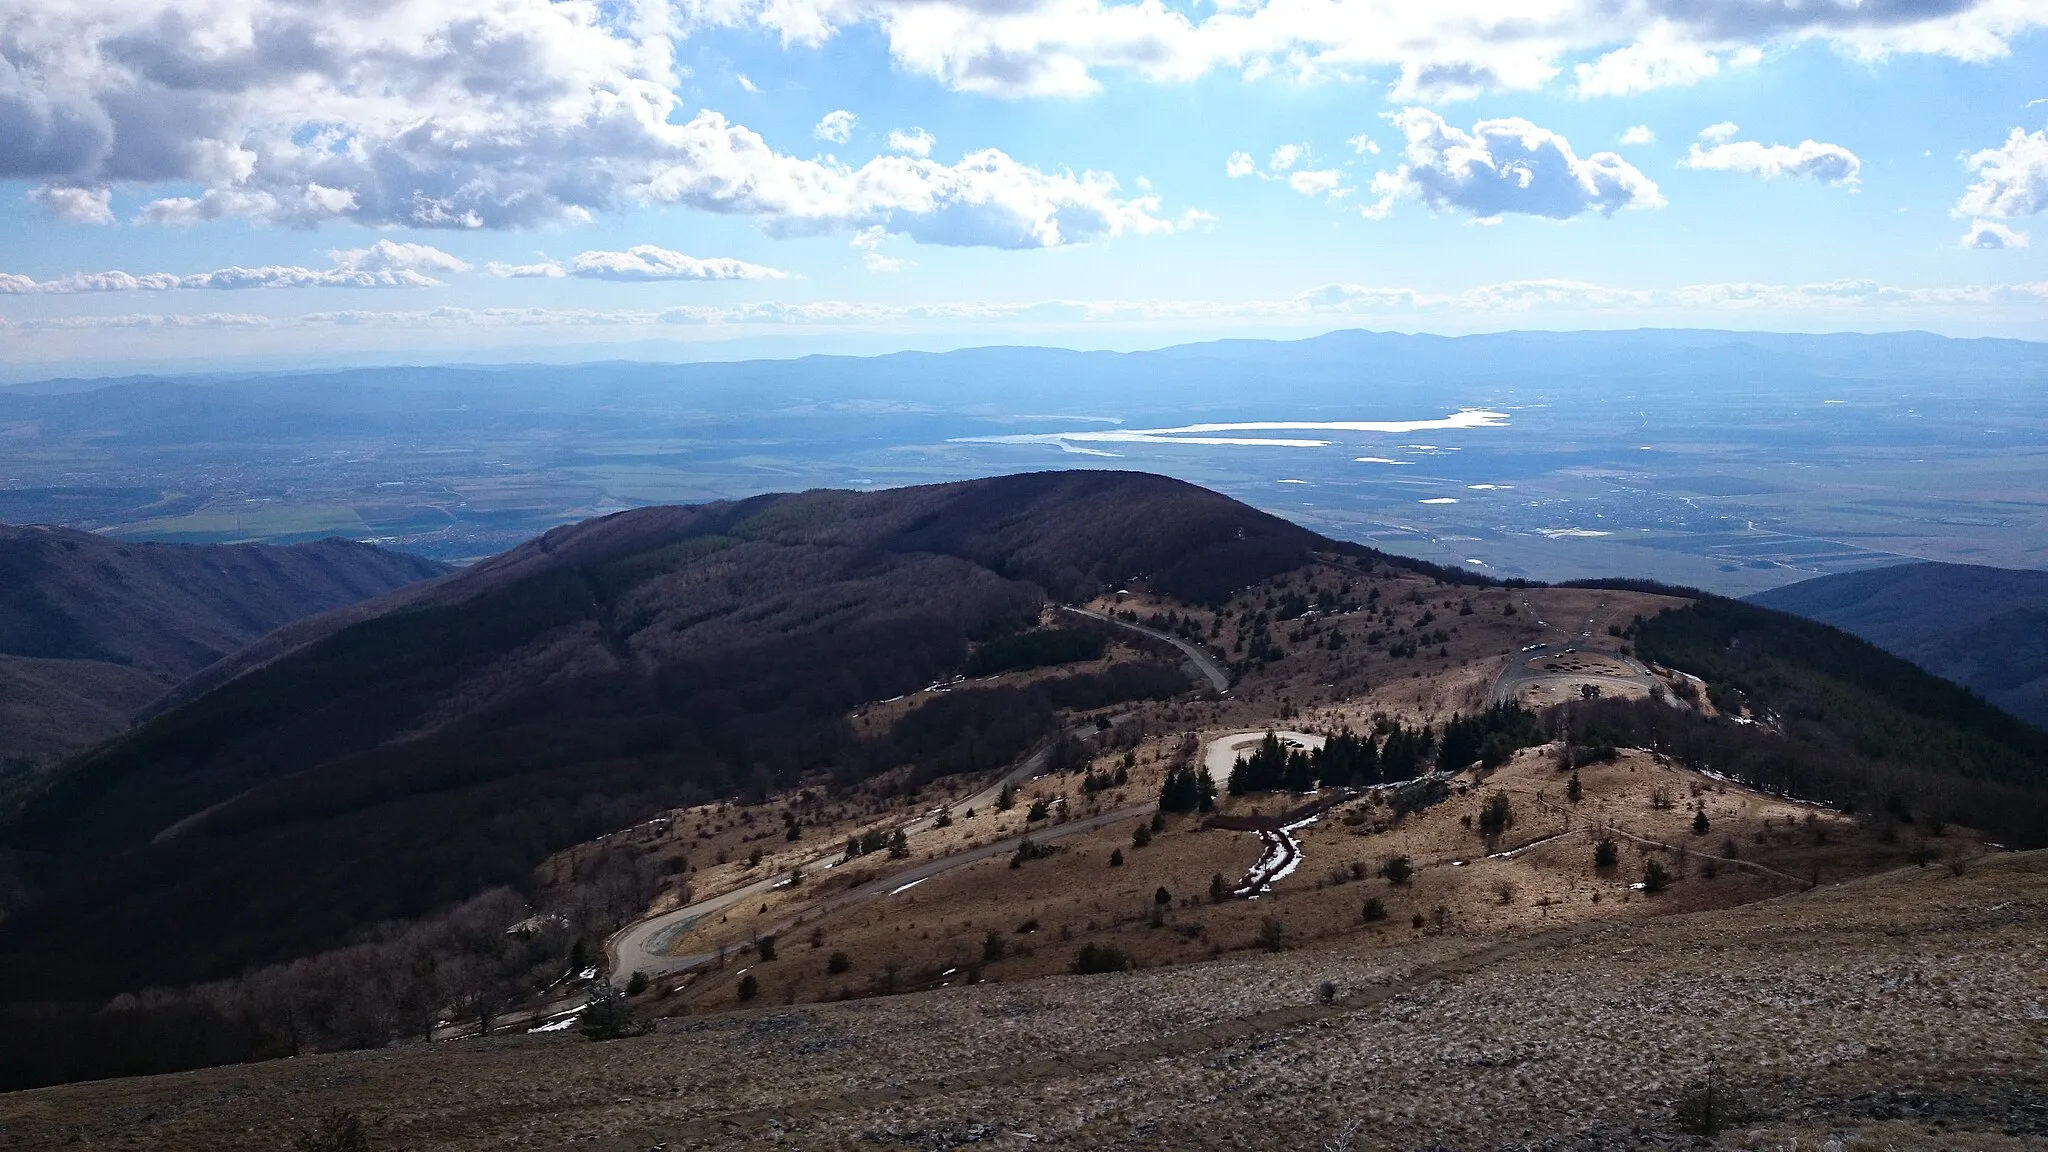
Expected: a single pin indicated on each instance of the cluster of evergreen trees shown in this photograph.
(1390, 753)
(1489, 737)
(1348, 759)
(1188, 788)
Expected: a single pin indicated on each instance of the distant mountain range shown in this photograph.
(1984, 628)
(93, 630)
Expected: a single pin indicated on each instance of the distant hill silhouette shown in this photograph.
(93, 629)
(1983, 628)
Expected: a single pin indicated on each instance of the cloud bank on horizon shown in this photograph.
(632, 160)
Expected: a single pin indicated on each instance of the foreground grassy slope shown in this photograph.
(1887, 1013)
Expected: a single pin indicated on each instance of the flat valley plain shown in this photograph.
(1728, 461)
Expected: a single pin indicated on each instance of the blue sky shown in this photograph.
(237, 178)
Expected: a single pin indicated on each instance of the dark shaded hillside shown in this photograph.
(1984, 628)
(1866, 728)
(567, 688)
(92, 629)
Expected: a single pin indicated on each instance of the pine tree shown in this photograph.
(1656, 877)
(1572, 790)
(1496, 816)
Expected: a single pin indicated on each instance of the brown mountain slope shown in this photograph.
(451, 737)
(92, 629)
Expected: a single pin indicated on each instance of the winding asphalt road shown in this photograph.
(644, 946)
(1203, 661)
(639, 947)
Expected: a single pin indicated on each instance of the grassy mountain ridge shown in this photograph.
(1799, 671)
(1874, 728)
(406, 754)
(562, 690)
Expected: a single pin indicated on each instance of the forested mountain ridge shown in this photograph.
(579, 682)
(1984, 628)
(1826, 716)
(92, 629)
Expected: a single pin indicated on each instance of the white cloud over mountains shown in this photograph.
(465, 114)
(1447, 49)
(1505, 166)
(1319, 305)
(1826, 163)
(524, 113)
(385, 264)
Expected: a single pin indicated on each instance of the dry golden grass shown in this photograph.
(1905, 1010)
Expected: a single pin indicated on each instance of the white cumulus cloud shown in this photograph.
(458, 114)
(1992, 234)
(647, 262)
(914, 142)
(869, 241)
(1638, 135)
(540, 270)
(1656, 63)
(74, 205)
(2012, 179)
(1827, 163)
(1505, 166)
(1447, 49)
(385, 264)
(836, 127)
(385, 255)
(1239, 164)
